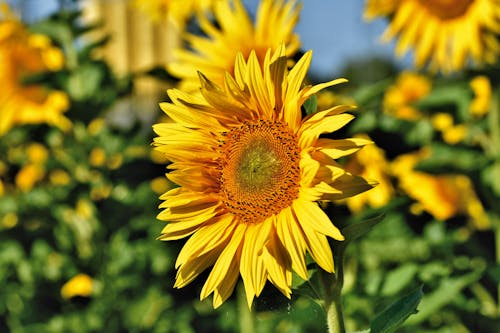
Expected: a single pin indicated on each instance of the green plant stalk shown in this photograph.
(332, 291)
(496, 230)
(494, 126)
(245, 314)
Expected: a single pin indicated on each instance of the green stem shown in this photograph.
(496, 230)
(332, 289)
(246, 316)
(494, 126)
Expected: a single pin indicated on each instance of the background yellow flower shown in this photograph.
(23, 54)
(445, 34)
(232, 32)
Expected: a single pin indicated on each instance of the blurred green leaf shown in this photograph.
(449, 159)
(491, 177)
(396, 314)
(311, 105)
(397, 279)
(446, 292)
(448, 93)
(356, 230)
(85, 82)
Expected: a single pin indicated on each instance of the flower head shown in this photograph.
(79, 285)
(442, 196)
(408, 88)
(445, 34)
(370, 163)
(215, 54)
(23, 54)
(250, 170)
(481, 103)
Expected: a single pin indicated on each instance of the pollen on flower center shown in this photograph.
(447, 9)
(259, 170)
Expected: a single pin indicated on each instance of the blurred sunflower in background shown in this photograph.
(22, 55)
(443, 196)
(445, 34)
(250, 170)
(233, 31)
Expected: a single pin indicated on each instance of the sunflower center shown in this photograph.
(259, 170)
(447, 9)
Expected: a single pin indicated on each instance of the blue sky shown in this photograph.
(333, 29)
(336, 32)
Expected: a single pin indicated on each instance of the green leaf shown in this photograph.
(311, 105)
(356, 230)
(491, 177)
(395, 315)
(84, 82)
(446, 159)
(447, 291)
(448, 93)
(397, 279)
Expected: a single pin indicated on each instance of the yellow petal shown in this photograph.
(310, 216)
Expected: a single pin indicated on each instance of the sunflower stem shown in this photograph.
(246, 316)
(496, 230)
(494, 126)
(332, 290)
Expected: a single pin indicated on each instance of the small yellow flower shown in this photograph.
(442, 121)
(59, 177)
(455, 134)
(160, 185)
(115, 161)
(481, 103)
(97, 157)
(28, 176)
(101, 192)
(37, 153)
(9, 220)
(79, 285)
(445, 34)
(96, 126)
(408, 88)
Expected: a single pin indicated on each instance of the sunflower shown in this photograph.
(23, 54)
(249, 171)
(443, 196)
(234, 32)
(371, 164)
(445, 34)
(409, 88)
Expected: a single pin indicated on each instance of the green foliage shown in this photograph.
(393, 317)
(92, 211)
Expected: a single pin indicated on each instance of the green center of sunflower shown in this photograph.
(259, 170)
(447, 9)
(257, 166)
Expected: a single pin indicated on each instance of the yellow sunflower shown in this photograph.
(249, 171)
(442, 196)
(23, 54)
(409, 88)
(234, 32)
(445, 34)
(371, 164)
